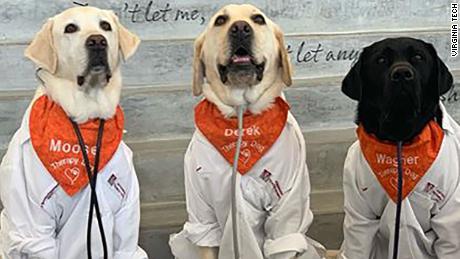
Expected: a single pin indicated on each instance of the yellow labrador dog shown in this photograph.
(242, 55)
(45, 175)
(80, 51)
(241, 60)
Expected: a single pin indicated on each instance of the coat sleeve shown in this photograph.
(446, 225)
(27, 229)
(127, 220)
(361, 224)
(202, 227)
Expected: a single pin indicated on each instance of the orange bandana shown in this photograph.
(259, 133)
(417, 158)
(54, 141)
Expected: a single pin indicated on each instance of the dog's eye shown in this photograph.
(381, 60)
(71, 28)
(418, 57)
(258, 18)
(105, 26)
(220, 20)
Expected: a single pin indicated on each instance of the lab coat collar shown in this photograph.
(447, 121)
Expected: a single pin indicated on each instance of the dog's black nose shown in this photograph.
(241, 29)
(402, 73)
(96, 41)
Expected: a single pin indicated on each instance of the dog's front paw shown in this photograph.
(208, 252)
(285, 255)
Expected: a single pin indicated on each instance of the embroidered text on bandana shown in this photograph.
(260, 131)
(417, 158)
(54, 141)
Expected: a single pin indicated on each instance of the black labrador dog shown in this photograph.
(397, 83)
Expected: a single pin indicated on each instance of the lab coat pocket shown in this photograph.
(257, 193)
(256, 202)
(255, 217)
(115, 192)
(421, 206)
(48, 202)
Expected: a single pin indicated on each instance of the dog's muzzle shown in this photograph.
(402, 97)
(402, 73)
(97, 72)
(241, 68)
(404, 85)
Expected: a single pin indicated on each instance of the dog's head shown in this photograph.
(398, 83)
(240, 48)
(82, 44)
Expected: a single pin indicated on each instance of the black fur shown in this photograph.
(392, 108)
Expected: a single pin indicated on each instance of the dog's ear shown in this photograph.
(285, 63)
(128, 41)
(444, 77)
(198, 66)
(41, 50)
(352, 83)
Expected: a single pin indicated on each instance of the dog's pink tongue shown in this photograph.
(241, 59)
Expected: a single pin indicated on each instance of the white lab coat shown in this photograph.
(430, 218)
(269, 226)
(39, 220)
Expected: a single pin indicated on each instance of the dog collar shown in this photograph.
(417, 158)
(56, 144)
(260, 131)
